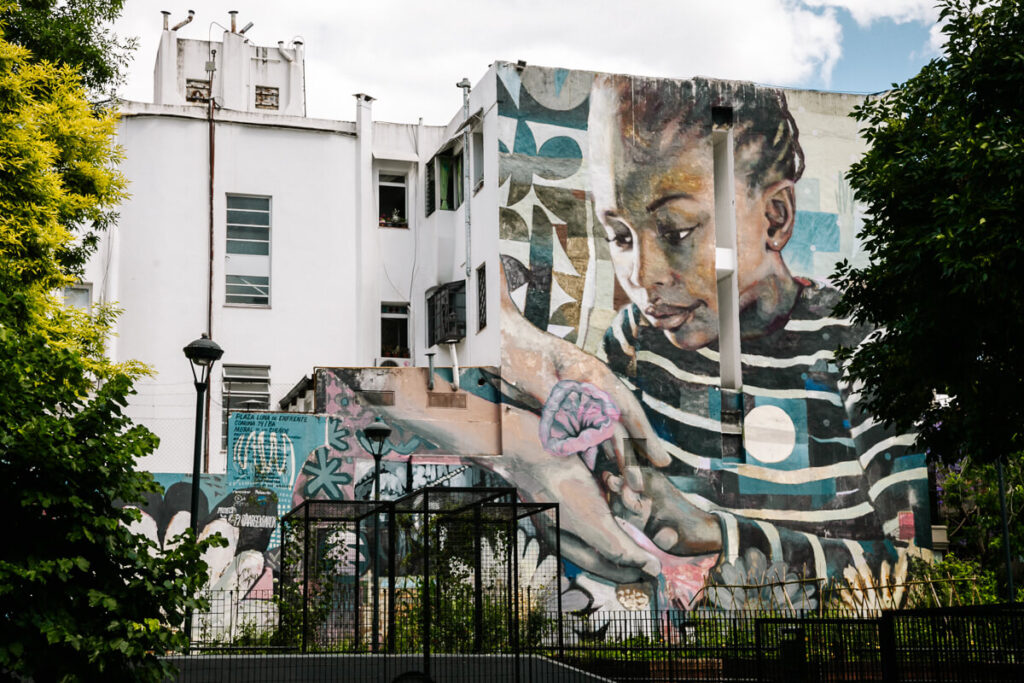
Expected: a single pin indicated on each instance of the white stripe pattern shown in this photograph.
(677, 372)
(820, 568)
(847, 468)
(856, 552)
(731, 542)
(774, 542)
(773, 361)
(808, 516)
(892, 441)
(918, 473)
(809, 394)
(676, 414)
(815, 325)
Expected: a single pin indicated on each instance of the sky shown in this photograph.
(409, 54)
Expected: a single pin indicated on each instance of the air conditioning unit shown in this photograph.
(446, 313)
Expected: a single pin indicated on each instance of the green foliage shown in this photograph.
(969, 504)
(74, 33)
(82, 597)
(943, 185)
(953, 582)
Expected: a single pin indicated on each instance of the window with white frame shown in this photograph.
(394, 330)
(391, 200)
(247, 267)
(244, 387)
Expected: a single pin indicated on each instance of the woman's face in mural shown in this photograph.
(657, 207)
(658, 216)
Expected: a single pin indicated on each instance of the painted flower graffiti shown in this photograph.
(576, 419)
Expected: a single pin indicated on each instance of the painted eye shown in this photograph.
(674, 236)
(621, 235)
(623, 240)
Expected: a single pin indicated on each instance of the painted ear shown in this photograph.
(779, 202)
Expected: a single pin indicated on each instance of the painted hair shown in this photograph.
(765, 136)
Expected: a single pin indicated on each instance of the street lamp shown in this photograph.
(202, 354)
(377, 433)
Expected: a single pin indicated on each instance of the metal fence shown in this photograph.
(952, 644)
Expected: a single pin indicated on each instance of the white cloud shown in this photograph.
(409, 54)
(864, 12)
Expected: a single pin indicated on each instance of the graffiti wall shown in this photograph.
(682, 407)
(619, 192)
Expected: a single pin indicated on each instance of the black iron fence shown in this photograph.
(954, 644)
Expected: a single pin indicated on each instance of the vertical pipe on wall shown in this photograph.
(725, 241)
(455, 367)
(211, 68)
(466, 157)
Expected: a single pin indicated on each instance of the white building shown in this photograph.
(292, 241)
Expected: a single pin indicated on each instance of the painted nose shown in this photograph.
(651, 270)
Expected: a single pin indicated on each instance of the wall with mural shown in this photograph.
(615, 313)
(672, 470)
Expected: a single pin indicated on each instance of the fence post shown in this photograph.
(305, 577)
(357, 581)
(558, 579)
(514, 524)
(426, 584)
(887, 642)
(478, 597)
(392, 531)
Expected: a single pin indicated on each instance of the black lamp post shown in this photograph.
(377, 433)
(202, 354)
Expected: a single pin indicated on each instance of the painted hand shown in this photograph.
(586, 413)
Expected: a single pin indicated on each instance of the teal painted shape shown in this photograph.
(560, 147)
(799, 458)
(324, 475)
(509, 86)
(816, 229)
(524, 142)
(909, 462)
(482, 383)
(560, 76)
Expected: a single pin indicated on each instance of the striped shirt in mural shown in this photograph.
(836, 497)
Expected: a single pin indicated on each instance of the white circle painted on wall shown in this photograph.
(769, 434)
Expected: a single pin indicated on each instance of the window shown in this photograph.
(449, 168)
(78, 296)
(391, 200)
(197, 90)
(428, 188)
(245, 387)
(478, 160)
(267, 97)
(446, 313)
(481, 297)
(394, 330)
(248, 251)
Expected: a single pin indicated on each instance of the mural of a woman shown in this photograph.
(824, 495)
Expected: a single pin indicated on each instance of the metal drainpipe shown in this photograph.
(430, 372)
(466, 189)
(455, 367)
(209, 290)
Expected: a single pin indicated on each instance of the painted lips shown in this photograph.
(666, 317)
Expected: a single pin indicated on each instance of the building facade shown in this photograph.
(607, 291)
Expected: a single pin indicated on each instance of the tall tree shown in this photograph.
(81, 597)
(943, 186)
(75, 33)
